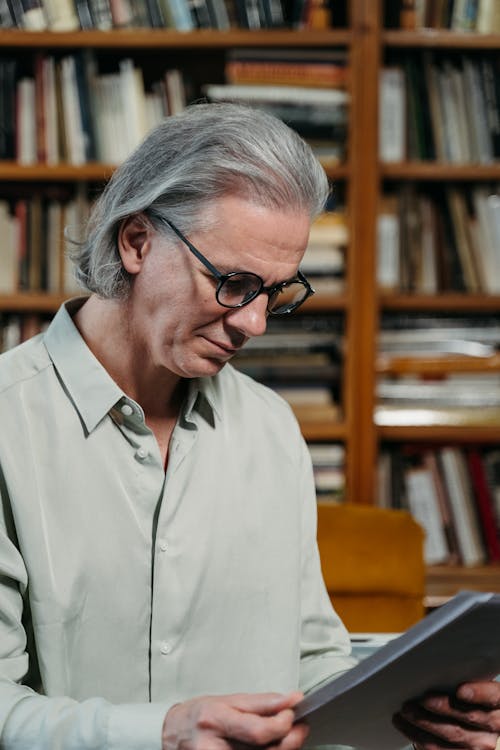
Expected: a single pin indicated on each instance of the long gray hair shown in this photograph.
(182, 166)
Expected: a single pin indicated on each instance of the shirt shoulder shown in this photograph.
(22, 363)
(238, 392)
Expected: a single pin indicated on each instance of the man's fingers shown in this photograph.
(486, 693)
(253, 729)
(431, 730)
(265, 704)
(466, 713)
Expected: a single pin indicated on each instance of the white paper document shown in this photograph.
(460, 641)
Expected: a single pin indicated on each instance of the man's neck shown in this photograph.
(103, 326)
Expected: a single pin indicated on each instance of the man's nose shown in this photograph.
(250, 320)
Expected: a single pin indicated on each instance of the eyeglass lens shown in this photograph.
(241, 288)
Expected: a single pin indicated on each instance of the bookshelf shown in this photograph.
(362, 178)
(396, 45)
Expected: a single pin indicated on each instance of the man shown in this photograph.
(159, 572)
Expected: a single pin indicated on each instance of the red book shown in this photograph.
(484, 503)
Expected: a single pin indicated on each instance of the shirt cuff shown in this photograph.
(135, 726)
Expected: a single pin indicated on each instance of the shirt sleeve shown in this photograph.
(29, 720)
(325, 648)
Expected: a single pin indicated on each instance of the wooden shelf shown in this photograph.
(31, 302)
(93, 172)
(325, 303)
(440, 434)
(393, 365)
(444, 581)
(443, 302)
(440, 39)
(323, 430)
(431, 170)
(167, 39)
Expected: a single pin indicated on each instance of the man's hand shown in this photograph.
(470, 719)
(229, 721)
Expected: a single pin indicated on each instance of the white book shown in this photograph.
(487, 244)
(61, 15)
(388, 246)
(26, 122)
(132, 91)
(452, 141)
(488, 17)
(326, 454)
(392, 115)
(478, 115)
(76, 214)
(330, 227)
(266, 93)
(8, 251)
(55, 246)
(176, 93)
(428, 282)
(462, 506)
(11, 332)
(71, 111)
(423, 503)
(50, 111)
(493, 206)
(321, 259)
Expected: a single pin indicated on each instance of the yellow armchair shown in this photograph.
(373, 566)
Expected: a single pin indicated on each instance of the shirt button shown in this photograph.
(162, 545)
(142, 454)
(165, 648)
(127, 410)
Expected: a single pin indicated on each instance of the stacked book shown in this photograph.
(451, 399)
(299, 358)
(324, 262)
(305, 88)
(328, 461)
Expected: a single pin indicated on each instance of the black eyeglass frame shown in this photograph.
(223, 277)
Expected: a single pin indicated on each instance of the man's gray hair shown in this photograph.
(184, 164)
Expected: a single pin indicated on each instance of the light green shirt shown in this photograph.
(140, 588)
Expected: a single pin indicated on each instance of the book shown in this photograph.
(430, 461)
(423, 503)
(388, 244)
(313, 68)
(488, 17)
(462, 505)
(8, 255)
(484, 503)
(26, 140)
(356, 708)
(392, 114)
(61, 15)
(8, 95)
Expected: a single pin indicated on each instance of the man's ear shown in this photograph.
(134, 242)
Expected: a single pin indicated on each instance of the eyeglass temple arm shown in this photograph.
(201, 258)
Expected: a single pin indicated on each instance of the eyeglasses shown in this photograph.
(239, 288)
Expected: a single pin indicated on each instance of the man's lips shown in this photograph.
(227, 349)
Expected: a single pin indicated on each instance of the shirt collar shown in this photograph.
(90, 387)
(92, 390)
